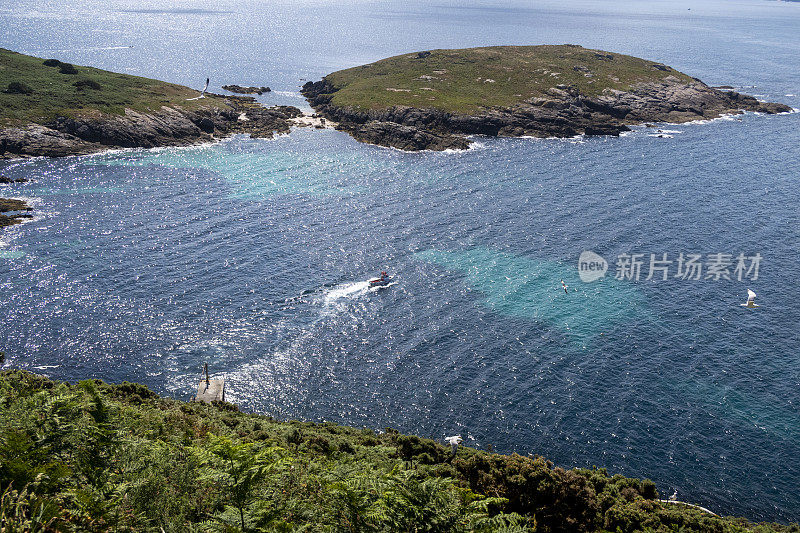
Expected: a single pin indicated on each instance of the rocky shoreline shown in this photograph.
(592, 93)
(565, 112)
(239, 89)
(13, 211)
(170, 126)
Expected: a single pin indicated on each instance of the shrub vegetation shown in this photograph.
(16, 87)
(98, 457)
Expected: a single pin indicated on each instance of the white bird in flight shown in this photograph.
(202, 94)
(751, 300)
(564, 285)
(454, 441)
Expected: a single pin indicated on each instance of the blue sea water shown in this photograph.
(254, 255)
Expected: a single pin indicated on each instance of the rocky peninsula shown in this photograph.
(434, 99)
(51, 108)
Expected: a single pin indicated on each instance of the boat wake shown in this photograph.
(340, 294)
(293, 355)
(346, 291)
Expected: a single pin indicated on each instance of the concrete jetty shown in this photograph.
(210, 390)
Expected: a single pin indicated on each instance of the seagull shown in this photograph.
(674, 496)
(751, 300)
(565, 287)
(454, 441)
(202, 94)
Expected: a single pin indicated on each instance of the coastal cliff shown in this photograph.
(169, 126)
(432, 100)
(51, 108)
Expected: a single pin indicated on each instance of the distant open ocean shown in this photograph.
(253, 255)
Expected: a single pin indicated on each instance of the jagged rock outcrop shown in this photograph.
(409, 138)
(564, 112)
(239, 89)
(5, 180)
(17, 211)
(169, 126)
(261, 122)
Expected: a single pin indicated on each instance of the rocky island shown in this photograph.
(433, 99)
(425, 100)
(51, 108)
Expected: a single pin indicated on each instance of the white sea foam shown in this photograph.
(350, 291)
(346, 291)
(291, 94)
(727, 116)
(30, 200)
(156, 149)
(451, 151)
(331, 301)
(472, 146)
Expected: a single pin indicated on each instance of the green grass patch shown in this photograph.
(468, 80)
(36, 90)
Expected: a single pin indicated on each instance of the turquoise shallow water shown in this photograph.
(253, 255)
(518, 286)
(251, 171)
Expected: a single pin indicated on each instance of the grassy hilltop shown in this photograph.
(32, 91)
(435, 99)
(54, 109)
(466, 80)
(100, 457)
